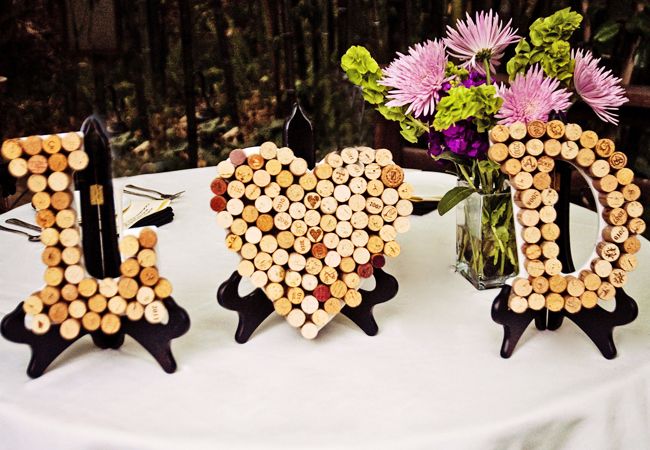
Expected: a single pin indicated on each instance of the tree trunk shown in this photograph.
(188, 74)
(225, 61)
(299, 39)
(270, 10)
(157, 51)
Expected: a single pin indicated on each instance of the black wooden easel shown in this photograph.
(255, 307)
(156, 339)
(597, 323)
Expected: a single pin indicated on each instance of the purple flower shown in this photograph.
(461, 138)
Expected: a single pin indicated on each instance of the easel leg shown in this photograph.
(514, 324)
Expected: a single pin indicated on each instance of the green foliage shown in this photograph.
(479, 102)
(453, 197)
(363, 71)
(548, 46)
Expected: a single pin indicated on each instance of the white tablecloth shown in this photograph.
(431, 378)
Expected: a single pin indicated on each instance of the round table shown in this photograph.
(431, 378)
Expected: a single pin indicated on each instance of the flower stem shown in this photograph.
(469, 180)
(486, 64)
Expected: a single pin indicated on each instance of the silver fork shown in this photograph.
(23, 224)
(30, 237)
(162, 195)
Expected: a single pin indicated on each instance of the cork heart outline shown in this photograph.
(330, 278)
(595, 159)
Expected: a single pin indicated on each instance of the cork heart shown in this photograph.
(309, 238)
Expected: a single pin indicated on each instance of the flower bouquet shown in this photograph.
(445, 89)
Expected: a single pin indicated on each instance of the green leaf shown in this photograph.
(453, 197)
(607, 32)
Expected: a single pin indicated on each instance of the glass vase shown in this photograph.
(485, 239)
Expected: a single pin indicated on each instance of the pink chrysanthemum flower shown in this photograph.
(480, 40)
(416, 79)
(598, 87)
(531, 97)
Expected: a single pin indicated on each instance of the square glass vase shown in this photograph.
(486, 253)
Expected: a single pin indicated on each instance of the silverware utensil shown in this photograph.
(23, 224)
(163, 196)
(30, 237)
(140, 194)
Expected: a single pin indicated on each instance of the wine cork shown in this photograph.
(352, 298)
(50, 237)
(530, 198)
(500, 133)
(347, 264)
(352, 280)
(613, 199)
(599, 168)
(145, 295)
(335, 160)
(11, 150)
(634, 209)
(253, 234)
(129, 246)
(552, 148)
(617, 234)
(32, 305)
(333, 306)
(383, 157)
(37, 183)
(606, 291)
(522, 287)
(608, 251)
(516, 149)
(589, 299)
(71, 255)
(553, 266)
(555, 129)
(147, 238)
(41, 324)
(117, 305)
(615, 216)
(45, 218)
(149, 276)
(41, 200)
(532, 251)
(49, 295)
(32, 145)
(61, 200)
(588, 139)
(69, 237)
(108, 287)
(632, 245)
(572, 304)
(517, 304)
(631, 192)
(624, 176)
(57, 162)
(573, 131)
(236, 189)
(282, 306)
(585, 158)
(541, 181)
(522, 181)
(238, 227)
(74, 274)
(18, 167)
(618, 160)
(605, 148)
(296, 318)
(608, 183)
(529, 163)
(590, 279)
(517, 130)
(511, 167)
(617, 278)
(550, 250)
(545, 164)
(91, 321)
(110, 324)
(366, 155)
(554, 302)
(531, 235)
(498, 152)
(37, 164)
(51, 256)
(78, 160)
(540, 284)
(627, 262)
(69, 292)
(130, 267)
(375, 188)
(549, 197)
(550, 231)
(243, 174)
(59, 181)
(528, 218)
(127, 288)
(273, 167)
(225, 169)
(66, 218)
(53, 276)
(245, 268)
(77, 309)
(535, 267)
(601, 267)
(536, 128)
(372, 171)
(547, 214)
(575, 287)
(569, 150)
(536, 301)
(274, 291)
(97, 303)
(392, 249)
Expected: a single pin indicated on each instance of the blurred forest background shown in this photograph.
(235, 66)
